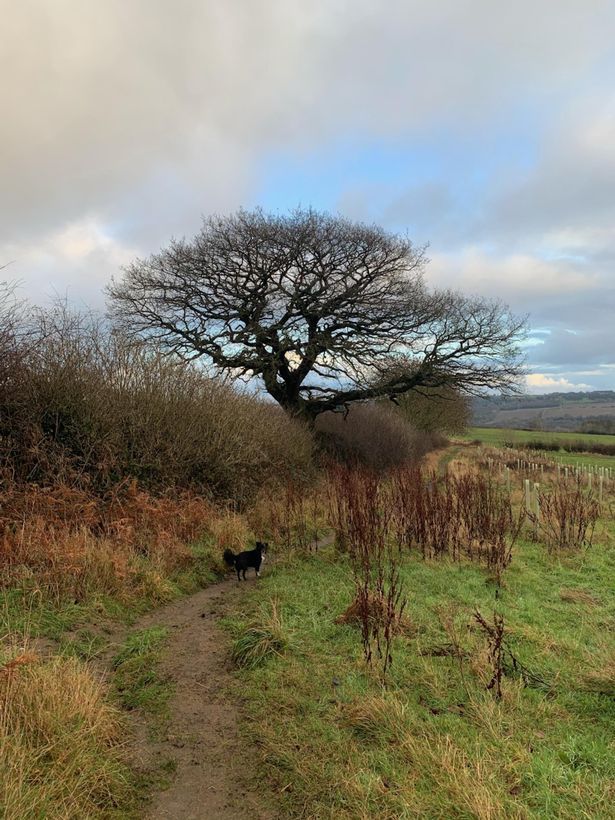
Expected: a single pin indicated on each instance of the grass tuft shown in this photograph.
(262, 639)
(599, 676)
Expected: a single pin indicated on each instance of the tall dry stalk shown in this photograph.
(468, 515)
(496, 649)
(362, 517)
(568, 516)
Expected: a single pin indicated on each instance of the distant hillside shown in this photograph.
(592, 412)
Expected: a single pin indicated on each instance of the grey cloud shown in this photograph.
(575, 350)
(425, 209)
(124, 122)
(570, 192)
(99, 96)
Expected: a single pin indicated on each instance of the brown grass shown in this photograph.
(599, 675)
(67, 543)
(376, 609)
(469, 784)
(575, 595)
(60, 741)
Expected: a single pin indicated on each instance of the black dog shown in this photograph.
(249, 558)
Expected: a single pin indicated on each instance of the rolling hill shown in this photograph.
(591, 412)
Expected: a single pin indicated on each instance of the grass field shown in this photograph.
(498, 436)
(434, 743)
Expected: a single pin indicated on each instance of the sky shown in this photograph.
(486, 129)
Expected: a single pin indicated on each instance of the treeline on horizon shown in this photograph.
(542, 400)
(546, 445)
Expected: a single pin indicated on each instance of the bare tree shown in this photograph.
(315, 306)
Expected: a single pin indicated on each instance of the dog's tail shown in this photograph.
(229, 557)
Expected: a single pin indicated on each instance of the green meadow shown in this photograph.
(434, 742)
(499, 436)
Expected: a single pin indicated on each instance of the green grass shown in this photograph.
(435, 743)
(498, 436)
(136, 678)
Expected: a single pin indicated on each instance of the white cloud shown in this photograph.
(85, 253)
(541, 383)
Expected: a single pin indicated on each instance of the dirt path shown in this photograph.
(202, 736)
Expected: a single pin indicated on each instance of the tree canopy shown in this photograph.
(318, 307)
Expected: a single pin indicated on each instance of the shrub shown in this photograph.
(535, 444)
(373, 436)
(363, 522)
(468, 514)
(568, 516)
(83, 405)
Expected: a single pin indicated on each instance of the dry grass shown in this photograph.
(376, 612)
(292, 515)
(60, 741)
(599, 675)
(68, 544)
(471, 784)
(230, 531)
(575, 595)
(376, 716)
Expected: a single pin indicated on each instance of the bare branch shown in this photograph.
(315, 306)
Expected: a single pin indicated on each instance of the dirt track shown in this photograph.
(202, 736)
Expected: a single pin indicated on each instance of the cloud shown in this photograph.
(542, 383)
(566, 200)
(124, 122)
(84, 252)
(518, 278)
(103, 99)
